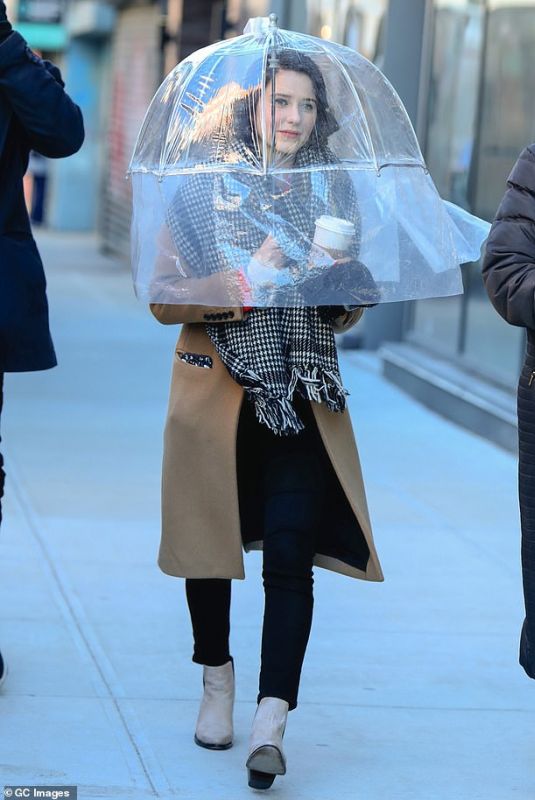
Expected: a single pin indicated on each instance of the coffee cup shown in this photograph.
(334, 235)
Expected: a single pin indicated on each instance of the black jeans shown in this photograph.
(2, 473)
(293, 498)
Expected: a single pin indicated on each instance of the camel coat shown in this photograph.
(203, 535)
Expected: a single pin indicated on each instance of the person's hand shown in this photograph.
(269, 253)
(349, 281)
(328, 314)
(318, 258)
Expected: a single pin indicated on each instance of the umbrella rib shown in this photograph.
(269, 42)
(193, 74)
(176, 105)
(357, 98)
(209, 78)
(141, 132)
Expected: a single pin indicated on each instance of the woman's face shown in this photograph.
(295, 111)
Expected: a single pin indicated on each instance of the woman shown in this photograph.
(509, 275)
(259, 450)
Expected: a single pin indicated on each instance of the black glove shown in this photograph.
(328, 314)
(345, 283)
(5, 27)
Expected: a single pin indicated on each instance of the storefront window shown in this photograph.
(452, 117)
(453, 96)
(507, 106)
(356, 23)
(507, 125)
(353, 29)
(491, 346)
(481, 114)
(436, 323)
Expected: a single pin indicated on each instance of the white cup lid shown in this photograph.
(336, 225)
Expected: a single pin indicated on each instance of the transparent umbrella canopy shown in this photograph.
(278, 169)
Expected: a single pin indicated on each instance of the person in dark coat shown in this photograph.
(35, 114)
(509, 275)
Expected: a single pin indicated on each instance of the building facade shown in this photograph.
(465, 70)
(475, 116)
(149, 39)
(479, 116)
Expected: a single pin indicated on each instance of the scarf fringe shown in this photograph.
(276, 412)
(317, 385)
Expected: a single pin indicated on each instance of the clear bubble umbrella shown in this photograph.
(278, 169)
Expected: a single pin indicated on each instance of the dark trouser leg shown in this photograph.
(2, 473)
(294, 500)
(209, 607)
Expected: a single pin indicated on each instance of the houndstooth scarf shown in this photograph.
(274, 352)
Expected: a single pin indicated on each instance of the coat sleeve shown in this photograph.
(34, 90)
(169, 314)
(509, 262)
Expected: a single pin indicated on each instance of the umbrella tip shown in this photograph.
(258, 26)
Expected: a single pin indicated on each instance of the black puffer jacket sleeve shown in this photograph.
(33, 89)
(509, 263)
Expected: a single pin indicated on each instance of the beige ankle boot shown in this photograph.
(214, 728)
(266, 756)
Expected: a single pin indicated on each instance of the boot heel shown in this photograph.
(260, 780)
(268, 760)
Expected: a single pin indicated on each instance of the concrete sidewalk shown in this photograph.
(411, 688)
